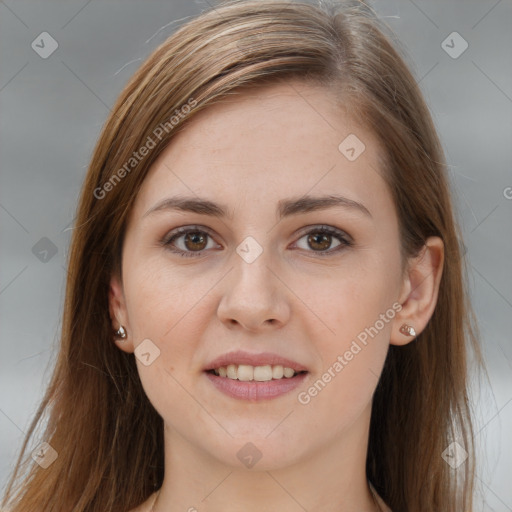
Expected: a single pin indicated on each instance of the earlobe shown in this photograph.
(419, 292)
(119, 316)
(408, 330)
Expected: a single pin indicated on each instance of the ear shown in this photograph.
(420, 288)
(119, 315)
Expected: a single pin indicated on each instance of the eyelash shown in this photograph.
(327, 230)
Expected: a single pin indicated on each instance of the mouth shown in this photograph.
(247, 373)
(255, 377)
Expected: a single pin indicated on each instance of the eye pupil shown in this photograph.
(196, 241)
(313, 240)
(195, 238)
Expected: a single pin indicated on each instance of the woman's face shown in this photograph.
(257, 275)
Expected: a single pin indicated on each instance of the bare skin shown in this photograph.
(247, 154)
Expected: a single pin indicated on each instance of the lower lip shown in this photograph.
(255, 391)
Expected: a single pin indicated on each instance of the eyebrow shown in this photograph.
(285, 207)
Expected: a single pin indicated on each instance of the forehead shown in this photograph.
(267, 143)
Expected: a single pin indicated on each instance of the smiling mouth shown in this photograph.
(247, 373)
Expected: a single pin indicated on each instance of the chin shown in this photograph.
(259, 452)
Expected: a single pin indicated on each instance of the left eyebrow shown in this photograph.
(307, 204)
(285, 207)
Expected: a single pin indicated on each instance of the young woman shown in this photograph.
(265, 304)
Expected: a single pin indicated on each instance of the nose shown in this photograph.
(254, 296)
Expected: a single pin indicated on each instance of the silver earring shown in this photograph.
(121, 332)
(407, 330)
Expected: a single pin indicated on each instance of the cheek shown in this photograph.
(160, 296)
(351, 335)
(351, 364)
(169, 308)
(345, 300)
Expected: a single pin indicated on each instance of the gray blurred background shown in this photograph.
(54, 104)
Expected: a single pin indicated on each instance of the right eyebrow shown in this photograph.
(285, 207)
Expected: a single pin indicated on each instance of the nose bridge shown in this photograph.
(252, 295)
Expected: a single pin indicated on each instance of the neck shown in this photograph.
(329, 479)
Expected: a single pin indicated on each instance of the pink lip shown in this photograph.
(261, 359)
(253, 390)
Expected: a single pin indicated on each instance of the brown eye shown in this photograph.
(195, 241)
(188, 241)
(320, 240)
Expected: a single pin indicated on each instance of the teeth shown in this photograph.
(277, 372)
(288, 372)
(231, 371)
(245, 372)
(262, 373)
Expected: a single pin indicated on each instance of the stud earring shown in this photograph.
(121, 332)
(407, 330)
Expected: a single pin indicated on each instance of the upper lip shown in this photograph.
(261, 359)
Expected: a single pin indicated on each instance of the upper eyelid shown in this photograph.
(183, 230)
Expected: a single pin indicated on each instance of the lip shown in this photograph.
(255, 391)
(261, 359)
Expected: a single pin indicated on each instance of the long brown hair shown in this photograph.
(95, 396)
